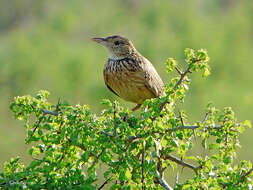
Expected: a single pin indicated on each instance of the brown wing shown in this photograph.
(152, 79)
(106, 83)
(111, 89)
(144, 73)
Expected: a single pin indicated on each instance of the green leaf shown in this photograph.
(247, 123)
(213, 146)
(107, 173)
(128, 175)
(163, 143)
(227, 159)
(170, 64)
(206, 72)
(107, 102)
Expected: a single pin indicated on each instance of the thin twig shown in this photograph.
(114, 122)
(247, 173)
(183, 127)
(101, 131)
(176, 181)
(206, 117)
(191, 127)
(181, 79)
(182, 163)
(47, 112)
(244, 175)
(97, 157)
(178, 70)
(13, 181)
(162, 182)
(182, 76)
(107, 134)
(37, 159)
(106, 181)
(142, 167)
(181, 118)
(37, 125)
(54, 113)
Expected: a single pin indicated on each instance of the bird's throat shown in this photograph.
(116, 57)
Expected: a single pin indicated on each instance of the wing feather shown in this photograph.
(152, 79)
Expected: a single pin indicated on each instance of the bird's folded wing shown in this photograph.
(152, 79)
(107, 85)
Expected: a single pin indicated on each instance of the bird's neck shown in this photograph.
(117, 57)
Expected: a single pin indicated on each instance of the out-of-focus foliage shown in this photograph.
(70, 143)
(46, 45)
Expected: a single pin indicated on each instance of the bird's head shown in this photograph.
(118, 47)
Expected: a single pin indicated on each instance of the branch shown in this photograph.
(243, 176)
(37, 125)
(106, 181)
(56, 112)
(162, 182)
(114, 116)
(178, 70)
(176, 181)
(206, 117)
(192, 127)
(13, 181)
(47, 112)
(159, 171)
(182, 163)
(105, 133)
(181, 79)
(142, 166)
(248, 173)
(182, 76)
(101, 131)
(97, 157)
(184, 127)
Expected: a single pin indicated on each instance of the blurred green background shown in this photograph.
(46, 45)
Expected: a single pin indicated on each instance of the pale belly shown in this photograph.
(129, 87)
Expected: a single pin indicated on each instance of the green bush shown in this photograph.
(137, 151)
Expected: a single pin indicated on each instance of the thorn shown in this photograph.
(176, 181)
(58, 105)
(181, 118)
(194, 134)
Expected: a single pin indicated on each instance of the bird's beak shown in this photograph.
(99, 40)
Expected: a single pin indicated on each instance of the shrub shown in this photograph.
(137, 151)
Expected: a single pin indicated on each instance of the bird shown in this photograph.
(127, 73)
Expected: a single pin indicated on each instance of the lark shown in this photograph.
(128, 74)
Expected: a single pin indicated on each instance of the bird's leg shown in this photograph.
(136, 107)
(125, 118)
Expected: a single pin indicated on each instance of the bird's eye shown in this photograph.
(116, 43)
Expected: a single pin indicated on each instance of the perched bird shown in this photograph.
(128, 74)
